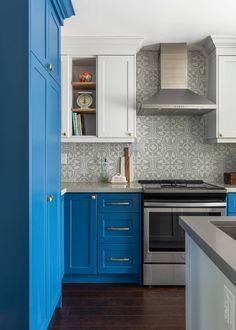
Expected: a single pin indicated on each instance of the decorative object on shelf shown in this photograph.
(104, 171)
(85, 77)
(118, 178)
(84, 100)
(230, 178)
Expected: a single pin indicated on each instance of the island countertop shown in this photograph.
(83, 187)
(217, 245)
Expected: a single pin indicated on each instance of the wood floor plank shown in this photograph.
(123, 307)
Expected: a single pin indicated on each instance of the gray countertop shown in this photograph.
(108, 187)
(219, 247)
(73, 187)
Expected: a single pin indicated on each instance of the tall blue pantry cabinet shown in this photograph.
(30, 281)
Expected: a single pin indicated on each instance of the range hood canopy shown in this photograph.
(174, 96)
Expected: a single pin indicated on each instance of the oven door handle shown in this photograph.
(178, 205)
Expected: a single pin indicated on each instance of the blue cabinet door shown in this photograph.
(38, 32)
(38, 218)
(80, 234)
(62, 232)
(53, 43)
(45, 36)
(53, 191)
(231, 204)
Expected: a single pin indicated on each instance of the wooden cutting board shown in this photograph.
(127, 164)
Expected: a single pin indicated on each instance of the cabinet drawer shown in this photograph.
(118, 258)
(122, 202)
(231, 203)
(118, 228)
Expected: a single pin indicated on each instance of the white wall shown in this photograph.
(156, 21)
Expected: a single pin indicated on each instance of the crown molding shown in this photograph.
(64, 9)
(219, 43)
(100, 45)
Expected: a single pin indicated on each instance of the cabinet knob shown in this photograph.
(50, 67)
(50, 198)
(130, 134)
(63, 134)
(93, 197)
(220, 135)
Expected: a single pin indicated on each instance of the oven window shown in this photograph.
(165, 233)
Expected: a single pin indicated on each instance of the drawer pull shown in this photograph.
(117, 259)
(118, 203)
(118, 228)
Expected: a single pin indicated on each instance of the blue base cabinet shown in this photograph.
(102, 238)
(231, 204)
(81, 234)
(30, 282)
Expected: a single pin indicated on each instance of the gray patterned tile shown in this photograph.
(166, 146)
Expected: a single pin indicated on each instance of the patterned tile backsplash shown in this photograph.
(166, 146)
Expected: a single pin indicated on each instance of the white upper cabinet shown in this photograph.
(116, 96)
(220, 125)
(103, 108)
(227, 96)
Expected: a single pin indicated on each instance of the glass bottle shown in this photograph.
(105, 171)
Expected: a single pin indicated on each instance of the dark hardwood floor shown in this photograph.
(125, 307)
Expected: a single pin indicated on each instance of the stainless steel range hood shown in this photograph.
(174, 96)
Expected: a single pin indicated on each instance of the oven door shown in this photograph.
(164, 239)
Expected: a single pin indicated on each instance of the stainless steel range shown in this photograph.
(164, 241)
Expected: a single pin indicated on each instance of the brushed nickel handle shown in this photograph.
(93, 197)
(117, 259)
(51, 67)
(118, 228)
(50, 198)
(118, 203)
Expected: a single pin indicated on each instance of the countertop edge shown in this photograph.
(95, 187)
(225, 268)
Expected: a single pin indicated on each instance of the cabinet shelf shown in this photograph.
(84, 85)
(92, 110)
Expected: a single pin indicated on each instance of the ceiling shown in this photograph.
(155, 20)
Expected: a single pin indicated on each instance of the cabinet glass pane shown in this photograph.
(83, 114)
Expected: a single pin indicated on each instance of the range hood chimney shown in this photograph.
(174, 96)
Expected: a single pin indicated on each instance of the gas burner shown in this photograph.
(177, 184)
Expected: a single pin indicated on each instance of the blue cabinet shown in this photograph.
(53, 193)
(38, 223)
(45, 35)
(231, 204)
(62, 240)
(102, 237)
(45, 290)
(80, 234)
(30, 169)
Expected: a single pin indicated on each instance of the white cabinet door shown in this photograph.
(65, 95)
(227, 96)
(116, 96)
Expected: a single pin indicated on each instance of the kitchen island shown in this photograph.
(210, 272)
